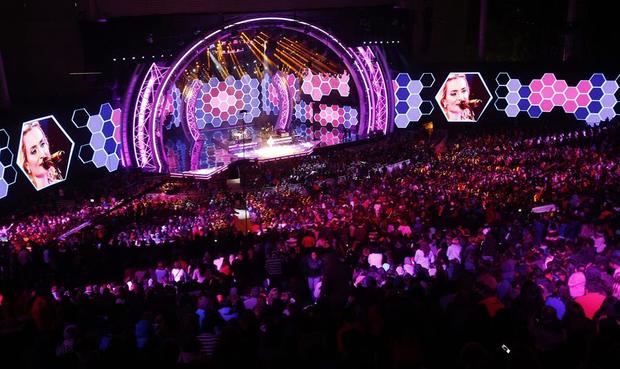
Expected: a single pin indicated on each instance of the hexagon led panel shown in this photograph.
(269, 96)
(45, 151)
(104, 146)
(303, 112)
(464, 96)
(177, 106)
(304, 130)
(8, 175)
(319, 85)
(592, 100)
(408, 102)
(222, 101)
(294, 86)
(336, 115)
(329, 136)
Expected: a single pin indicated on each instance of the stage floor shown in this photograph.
(268, 153)
(204, 173)
(263, 154)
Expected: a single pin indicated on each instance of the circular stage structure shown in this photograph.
(261, 88)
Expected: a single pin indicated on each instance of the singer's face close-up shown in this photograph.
(457, 91)
(37, 148)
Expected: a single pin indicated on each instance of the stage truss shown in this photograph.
(143, 110)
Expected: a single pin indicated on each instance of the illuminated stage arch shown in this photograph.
(352, 101)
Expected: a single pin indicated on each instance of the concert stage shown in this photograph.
(205, 173)
(268, 153)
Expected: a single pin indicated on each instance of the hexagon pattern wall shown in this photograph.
(593, 100)
(336, 115)
(294, 87)
(303, 111)
(269, 95)
(8, 174)
(319, 85)
(104, 147)
(329, 137)
(304, 130)
(408, 103)
(177, 108)
(221, 101)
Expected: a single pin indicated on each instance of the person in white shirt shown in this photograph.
(177, 274)
(454, 250)
(423, 256)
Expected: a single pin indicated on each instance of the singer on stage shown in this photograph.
(35, 158)
(454, 99)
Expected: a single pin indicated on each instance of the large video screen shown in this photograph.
(463, 97)
(44, 152)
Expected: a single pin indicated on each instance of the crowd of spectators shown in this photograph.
(474, 251)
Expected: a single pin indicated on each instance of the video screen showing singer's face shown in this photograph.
(36, 148)
(462, 97)
(454, 96)
(36, 152)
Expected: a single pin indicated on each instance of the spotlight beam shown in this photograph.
(298, 72)
(221, 59)
(304, 52)
(218, 66)
(300, 66)
(256, 51)
(238, 66)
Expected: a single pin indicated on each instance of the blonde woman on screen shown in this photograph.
(454, 98)
(34, 157)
